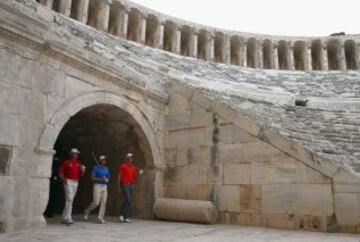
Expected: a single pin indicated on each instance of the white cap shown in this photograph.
(128, 155)
(102, 157)
(74, 151)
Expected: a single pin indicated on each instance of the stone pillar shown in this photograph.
(324, 58)
(142, 30)
(82, 12)
(211, 48)
(160, 37)
(276, 57)
(243, 53)
(227, 50)
(307, 57)
(47, 3)
(194, 44)
(260, 56)
(177, 41)
(290, 57)
(341, 57)
(65, 7)
(99, 18)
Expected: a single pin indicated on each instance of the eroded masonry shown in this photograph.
(264, 127)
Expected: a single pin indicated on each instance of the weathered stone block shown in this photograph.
(237, 174)
(232, 134)
(198, 192)
(186, 138)
(293, 199)
(308, 175)
(189, 156)
(175, 191)
(273, 172)
(259, 151)
(280, 221)
(347, 208)
(195, 174)
(228, 198)
(231, 153)
(250, 198)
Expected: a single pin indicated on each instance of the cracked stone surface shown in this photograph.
(147, 231)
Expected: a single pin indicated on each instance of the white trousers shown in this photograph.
(99, 198)
(70, 188)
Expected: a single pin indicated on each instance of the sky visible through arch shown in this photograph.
(279, 17)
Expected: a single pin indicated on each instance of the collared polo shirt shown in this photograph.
(71, 170)
(127, 173)
(100, 172)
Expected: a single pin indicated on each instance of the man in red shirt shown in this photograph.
(126, 178)
(70, 172)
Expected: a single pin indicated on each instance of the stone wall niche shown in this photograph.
(300, 55)
(170, 36)
(235, 50)
(62, 6)
(80, 10)
(252, 53)
(219, 51)
(335, 55)
(152, 31)
(351, 55)
(99, 13)
(134, 25)
(186, 48)
(118, 20)
(317, 55)
(268, 54)
(203, 45)
(284, 55)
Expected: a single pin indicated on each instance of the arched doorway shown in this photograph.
(105, 123)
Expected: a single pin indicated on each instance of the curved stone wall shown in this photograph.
(137, 23)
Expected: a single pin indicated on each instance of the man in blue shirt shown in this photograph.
(100, 175)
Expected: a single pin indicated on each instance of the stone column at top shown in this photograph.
(47, 3)
(142, 30)
(227, 49)
(211, 48)
(276, 57)
(119, 21)
(341, 57)
(290, 56)
(307, 57)
(194, 44)
(243, 53)
(324, 58)
(177, 41)
(82, 10)
(65, 7)
(100, 12)
(160, 36)
(260, 56)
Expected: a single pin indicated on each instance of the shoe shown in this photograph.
(102, 221)
(70, 222)
(121, 219)
(86, 216)
(127, 220)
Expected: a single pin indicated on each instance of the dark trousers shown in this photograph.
(127, 190)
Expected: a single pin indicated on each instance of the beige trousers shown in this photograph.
(99, 198)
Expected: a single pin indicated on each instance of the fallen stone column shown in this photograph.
(185, 210)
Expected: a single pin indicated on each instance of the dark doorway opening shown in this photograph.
(105, 130)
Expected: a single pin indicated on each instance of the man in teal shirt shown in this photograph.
(100, 175)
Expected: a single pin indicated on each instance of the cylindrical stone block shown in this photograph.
(185, 210)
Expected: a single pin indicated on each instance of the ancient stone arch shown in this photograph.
(71, 107)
